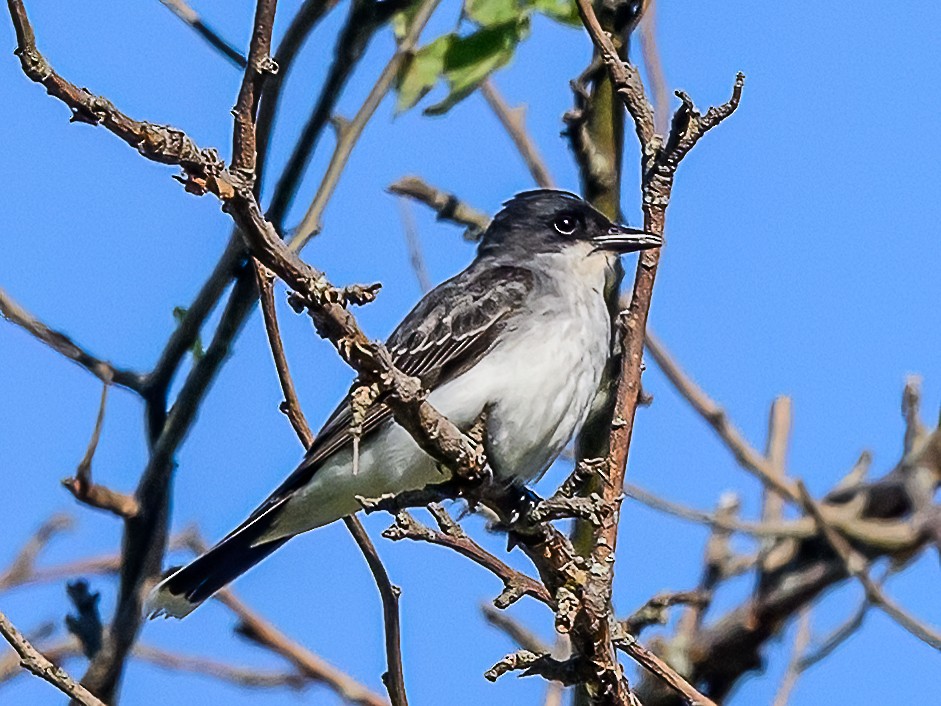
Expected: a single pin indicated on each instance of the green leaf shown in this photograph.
(563, 11)
(492, 12)
(179, 314)
(402, 20)
(421, 72)
(471, 59)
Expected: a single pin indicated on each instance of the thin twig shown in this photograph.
(650, 51)
(796, 529)
(451, 535)
(394, 678)
(655, 610)
(514, 122)
(348, 132)
(516, 631)
(33, 660)
(291, 405)
(388, 592)
(186, 13)
(101, 369)
(90, 493)
(747, 456)
(254, 627)
(855, 565)
(23, 567)
(794, 669)
(663, 671)
(448, 207)
(836, 638)
(413, 240)
(259, 65)
(241, 676)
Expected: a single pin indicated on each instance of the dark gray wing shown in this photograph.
(446, 334)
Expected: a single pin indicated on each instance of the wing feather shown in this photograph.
(446, 334)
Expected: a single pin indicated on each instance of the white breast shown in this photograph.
(540, 382)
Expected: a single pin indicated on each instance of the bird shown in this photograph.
(524, 332)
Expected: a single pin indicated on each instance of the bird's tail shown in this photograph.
(185, 589)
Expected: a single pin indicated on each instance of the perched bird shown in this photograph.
(524, 332)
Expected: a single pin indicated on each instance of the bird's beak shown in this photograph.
(621, 239)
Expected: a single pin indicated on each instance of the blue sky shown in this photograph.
(803, 259)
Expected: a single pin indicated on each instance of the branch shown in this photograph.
(348, 133)
(364, 19)
(389, 594)
(451, 535)
(413, 241)
(748, 457)
(659, 162)
(394, 678)
(655, 610)
(447, 206)
(855, 565)
(188, 15)
(31, 659)
(794, 668)
(90, 493)
(625, 76)
(62, 344)
(513, 121)
(291, 405)
(255, 628)
(241, 676)
(663, 671)
(23, 567)
(259, 65)
(521, 635)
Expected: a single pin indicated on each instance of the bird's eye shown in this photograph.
(565, 225)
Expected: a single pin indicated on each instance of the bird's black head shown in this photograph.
(547, 220)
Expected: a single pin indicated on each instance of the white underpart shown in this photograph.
(538, 385)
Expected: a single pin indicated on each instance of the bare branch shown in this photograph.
(796, 529)
(394, 678)
(625, 76)
(448, 206)
(348, 133)
(59, 342)
(835, 638)
(530, 663)
(82, 486)
(291, 406)
(412, 239)
(241, 676)
(855, 565)
(516, 584)
(654, 66)
(33, 660)
(794, 668)
(663, 671)
(514, 122)
(747, 456)
(259, 65)
(521, 635)
(24, 565)
(188, 15)
(255, 628)
(655, 610)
